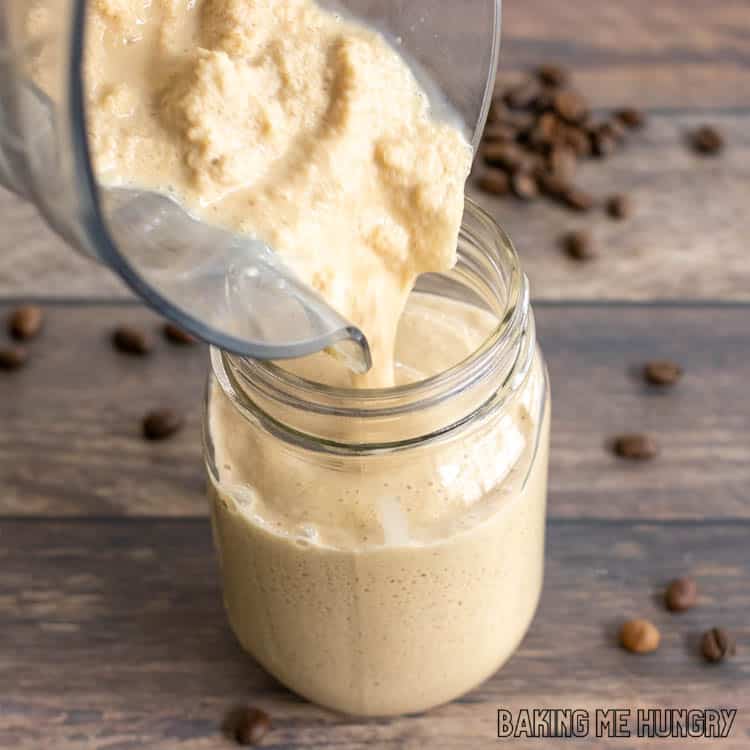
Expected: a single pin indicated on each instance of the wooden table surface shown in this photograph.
(113, 634)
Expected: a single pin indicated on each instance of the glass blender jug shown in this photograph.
(230, 290)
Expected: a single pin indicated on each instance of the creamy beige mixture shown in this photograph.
(282, 120)
(386, 586)
(372, 585)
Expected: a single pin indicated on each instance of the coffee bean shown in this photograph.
(129, 340)
(13, 358)
(499, 131)
(603, 143)
(578, 245)
(551, 185)
(619, 206)
(578, 139)
(495, 182)
(662, 372)
(509, 156)
(631, 118)
(707, 140)
(717, 645)
(252, 727)
(523, 95)
(161, 424)
(552, 75)
(636, 447)
(613, 128)
(524, 185)
(640, 636)
(577, 199)
(562, 163)
(25, 322)
(177, 335)
(681, 595)
(570, 106)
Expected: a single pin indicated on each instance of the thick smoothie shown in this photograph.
(386, 586)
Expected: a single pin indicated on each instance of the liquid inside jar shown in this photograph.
(385, 584)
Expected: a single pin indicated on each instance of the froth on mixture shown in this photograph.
(285, 121)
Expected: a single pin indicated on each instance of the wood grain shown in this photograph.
(114, 637)
(672, 53)
(71, 441)
(687, 238)
(687, 61)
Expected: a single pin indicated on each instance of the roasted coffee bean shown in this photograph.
(25, 322)
(552, 75)
(13, 358)
(577, 199)
(252, 725)
(636, 447)
(681, 595)
(619, 206)
(717, 645)
(524, 185)
(129, 340)
(579, 245)
(603, 144)
(613, 128)
(570, 106)
(544, 101)
(509, 156)
(499, 131)
(578, 139)
(161, 424)
(551, 185)
(548, 126)
(662, 372)
(640, 636)
(523, 95)
(495, 182)
(631, 118)
(177, 335)
(707, 141)
(562, 163)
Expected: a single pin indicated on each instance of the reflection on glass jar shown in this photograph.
(382, 551)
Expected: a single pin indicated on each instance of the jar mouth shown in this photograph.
(489, 265)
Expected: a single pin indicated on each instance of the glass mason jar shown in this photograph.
(382, 550)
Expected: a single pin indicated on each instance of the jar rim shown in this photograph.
(281, 385)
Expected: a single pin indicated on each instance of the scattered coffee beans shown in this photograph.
(161, 424)
(717, 645)
(538, 130)
(662, 372)
(25, 322)
(131, 340)
(177, 335)
(681, 595)
(707, 140)
(619, 206)
(252, 725)
(640, 636)
(13, 358)
(636, 447)
(578, 245)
